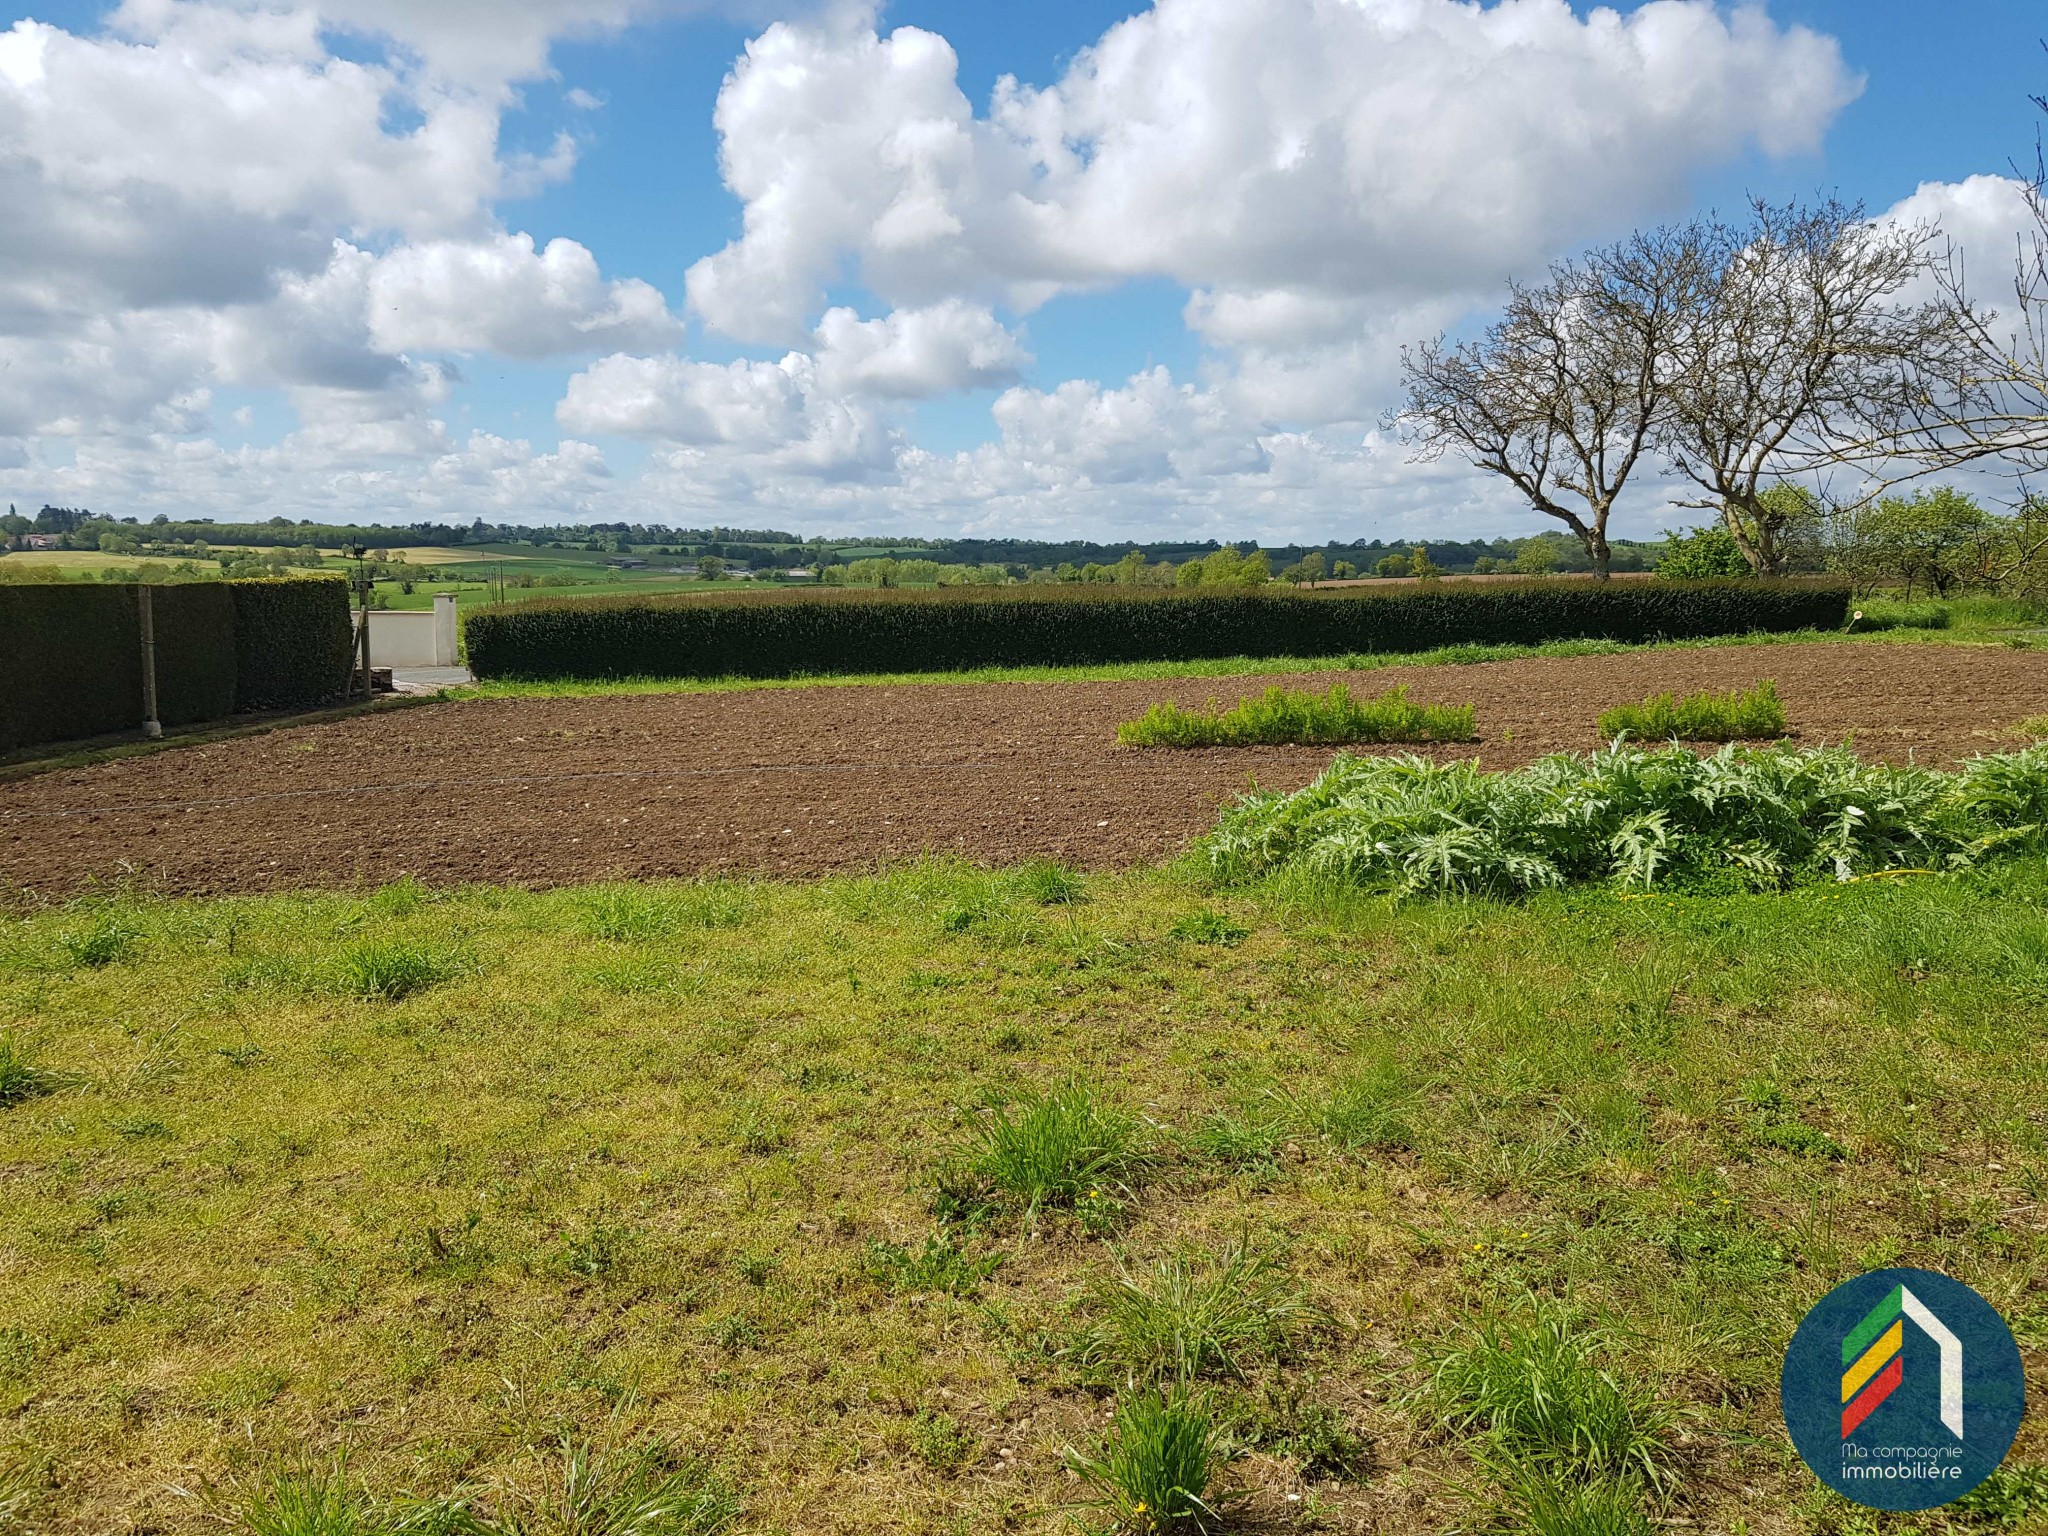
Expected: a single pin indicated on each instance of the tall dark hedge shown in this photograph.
(292, 642)
(71, 653)
(788, 634)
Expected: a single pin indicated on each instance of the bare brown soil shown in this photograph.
(803, 781)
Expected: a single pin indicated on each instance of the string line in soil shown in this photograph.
(149, 806)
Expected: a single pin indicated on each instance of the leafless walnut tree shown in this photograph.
(1561, 395)
(1800, 356)
(1989, 401)
(1731, 355)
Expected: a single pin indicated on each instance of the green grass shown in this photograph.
(1751, 714)
(268, 1224)
(1283, 716)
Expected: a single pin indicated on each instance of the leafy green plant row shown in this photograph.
(1741, 819)
(74, 653)
(817, 633)
(1754, 714)
(1284, 716)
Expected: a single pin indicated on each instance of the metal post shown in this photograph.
(145, 611)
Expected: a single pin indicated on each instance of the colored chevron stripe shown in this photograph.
(1873, 1360)
(1864, 1333)
(1866, 1402)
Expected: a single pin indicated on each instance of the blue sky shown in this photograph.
(1139, 356)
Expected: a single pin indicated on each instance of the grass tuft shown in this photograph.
(1541, 1506)
(1049, 883)
(1152, 1473)
(1540, 1396)
(625, 1490)
(104, 943)
(1196, 1314)
(1284, 717)
(386, 970)
(637, 914)
(1062, 1148)
(1754, 714)
(22, 1076)
(323, 1502)
(2033, 728)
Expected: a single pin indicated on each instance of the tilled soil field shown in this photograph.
(803, 781)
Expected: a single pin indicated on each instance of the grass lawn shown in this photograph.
(409, 1190)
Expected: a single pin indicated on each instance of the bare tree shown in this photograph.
(1801, 356)
(1562, 395)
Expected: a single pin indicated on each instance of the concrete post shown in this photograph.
(445, 649)
(145, 612)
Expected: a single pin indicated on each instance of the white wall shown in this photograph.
(399, 639)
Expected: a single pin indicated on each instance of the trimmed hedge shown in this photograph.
(73, 653)
(293, 642)
(792, 634)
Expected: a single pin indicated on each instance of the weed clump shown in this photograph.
(1737, 715)
(939, 1264)
(1634, 817)
(1206, 925)
(1284, 717)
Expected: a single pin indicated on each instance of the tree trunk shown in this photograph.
(1597, 547)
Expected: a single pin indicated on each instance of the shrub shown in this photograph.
(293, 642)
(1057, 1148)
(785, 634)
(1153, 1472)
(1743, 818)
(1754, 715)
(1285, 717)
(1540, 1396)
(1192, 1315)
(1701, 554)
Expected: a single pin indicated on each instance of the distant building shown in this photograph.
(41, 540)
